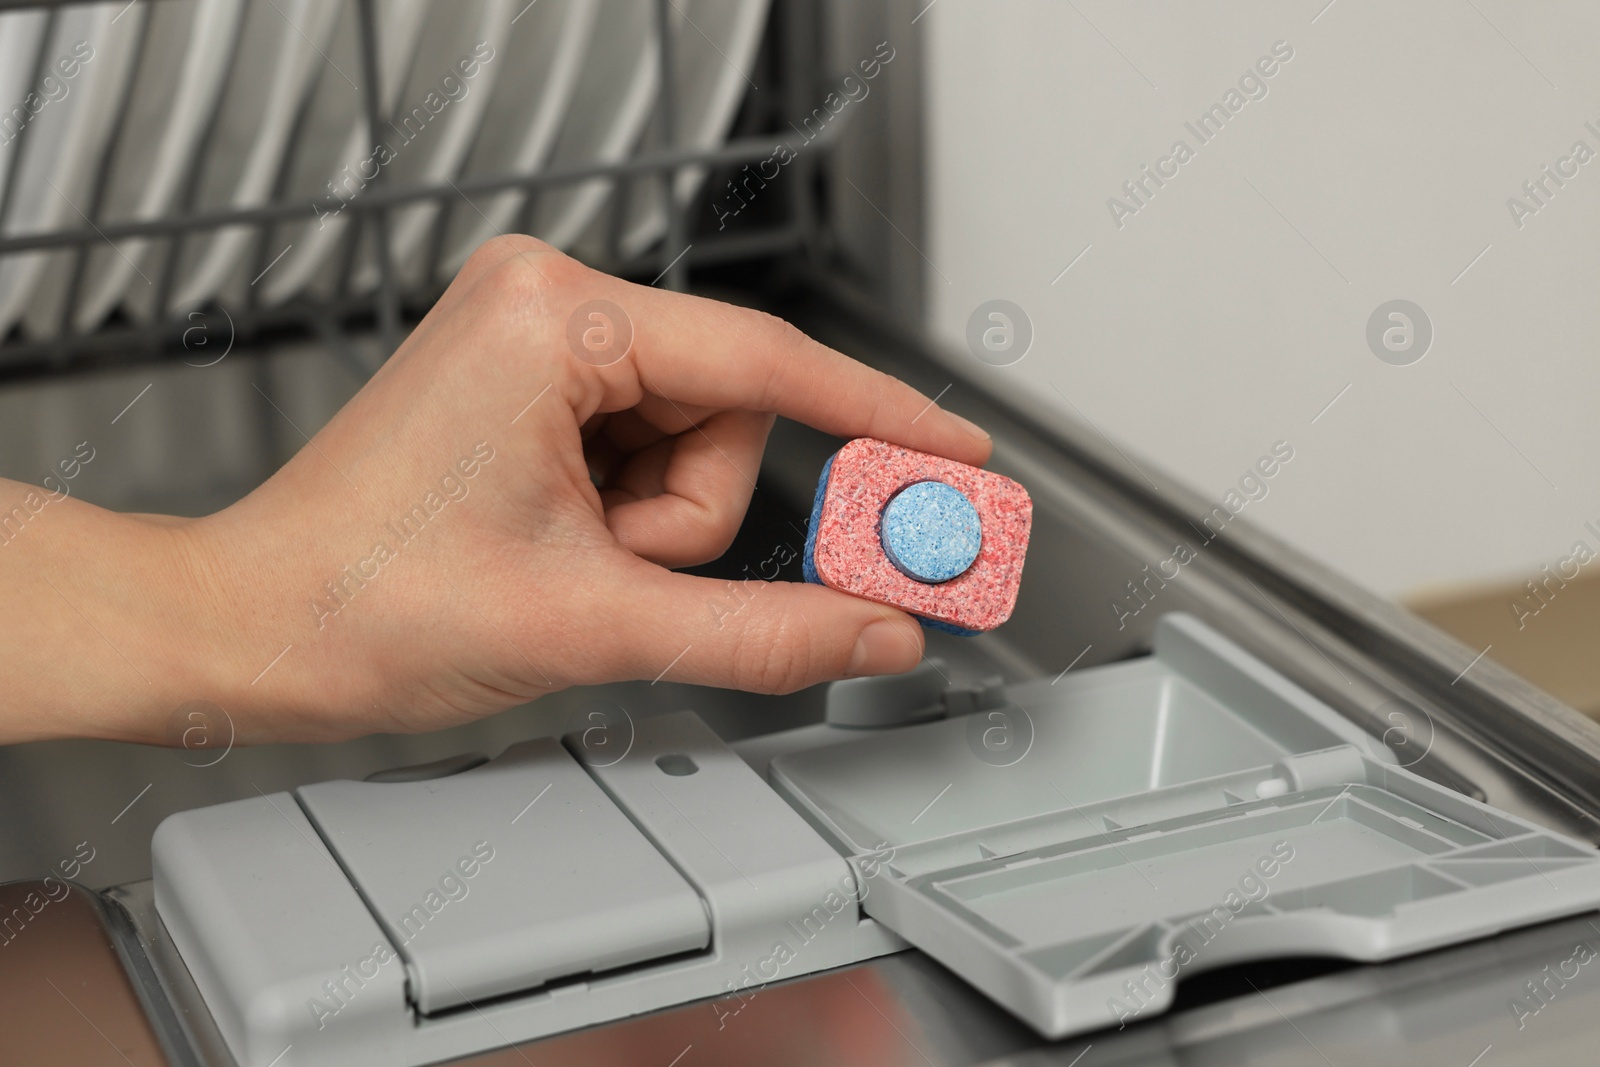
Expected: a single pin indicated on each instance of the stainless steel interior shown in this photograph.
(1099, 521)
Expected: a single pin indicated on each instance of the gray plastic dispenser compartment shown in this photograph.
(1166, 816)
(482, 898)
(668, 876)
(1073, 849)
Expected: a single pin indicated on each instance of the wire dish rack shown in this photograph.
(782, 82)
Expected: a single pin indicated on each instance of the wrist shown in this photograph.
(241, 620)
(92, 630)
(140, 627)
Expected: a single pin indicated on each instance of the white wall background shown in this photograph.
(1228, 312)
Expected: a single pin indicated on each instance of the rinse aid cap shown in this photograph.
(931, 532)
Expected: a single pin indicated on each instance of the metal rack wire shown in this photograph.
(787, 61)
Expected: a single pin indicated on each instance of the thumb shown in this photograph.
(758, 636)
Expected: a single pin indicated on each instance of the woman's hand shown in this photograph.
(440, 551)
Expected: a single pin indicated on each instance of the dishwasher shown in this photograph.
(1201, 800)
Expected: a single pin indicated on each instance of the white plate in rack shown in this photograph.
(715, 46)
(188, 47)
(475, 32)
(280, 54)
(338, 149)
(616, 89)
(62, 147)
(20, 35)
(544, 58)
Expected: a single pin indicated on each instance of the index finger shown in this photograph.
(708, 353)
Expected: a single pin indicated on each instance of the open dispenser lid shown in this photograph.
(1076, 852)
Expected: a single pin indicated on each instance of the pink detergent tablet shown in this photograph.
(937, 538)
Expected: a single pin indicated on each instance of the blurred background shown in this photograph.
(1428, 153)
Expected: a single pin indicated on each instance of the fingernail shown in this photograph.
(884, 647)
(968, 425)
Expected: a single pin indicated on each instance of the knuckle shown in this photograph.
(505, 245)
(496, 250)
(773, 339)
(774, 657)
(518, 271)
(780, 334)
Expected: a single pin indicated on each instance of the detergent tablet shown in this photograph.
(939, 539)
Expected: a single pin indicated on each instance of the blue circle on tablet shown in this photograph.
(931, 532)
